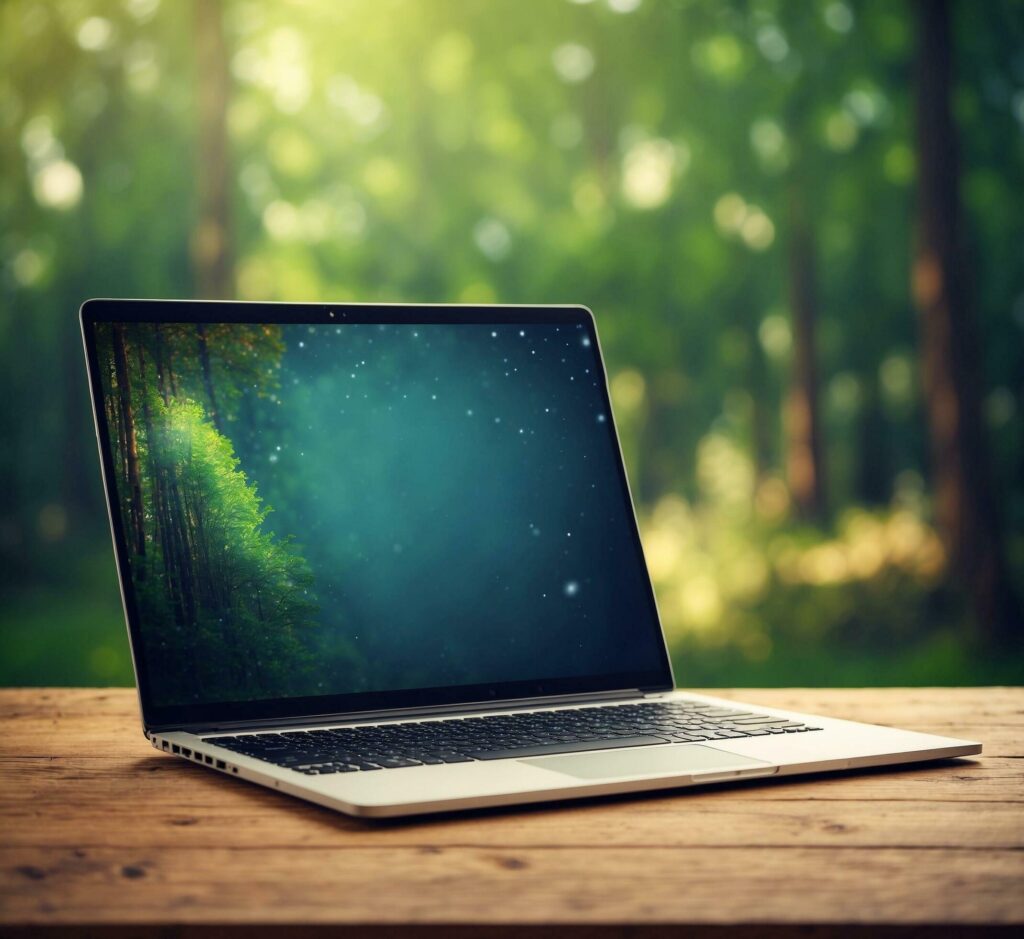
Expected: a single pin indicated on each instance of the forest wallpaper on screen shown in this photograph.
(227, 604)
(316, 510)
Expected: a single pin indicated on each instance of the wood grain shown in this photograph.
(99, 831)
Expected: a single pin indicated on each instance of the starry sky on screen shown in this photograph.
(455, 491)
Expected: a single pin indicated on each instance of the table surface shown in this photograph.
(98, 830)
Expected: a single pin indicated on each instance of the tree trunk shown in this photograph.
(758, 385)
(158, 498)
(124, 394)
(181, 547)
(874, 471)
(804, 458)
(211, 239)
(117, 427)
(965, 507)
(204, 361)
(161, 361)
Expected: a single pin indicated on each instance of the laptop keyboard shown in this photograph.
(361, 748)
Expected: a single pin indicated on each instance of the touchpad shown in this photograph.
(647, 761)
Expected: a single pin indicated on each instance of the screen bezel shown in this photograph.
(164, 717)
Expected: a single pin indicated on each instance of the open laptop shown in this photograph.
(384, 558)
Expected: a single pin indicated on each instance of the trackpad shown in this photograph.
(649, 761)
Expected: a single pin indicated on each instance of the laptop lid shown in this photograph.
(321, 510)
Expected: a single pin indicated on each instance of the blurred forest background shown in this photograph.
(798, 223)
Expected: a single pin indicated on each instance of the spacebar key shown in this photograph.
(514, 753)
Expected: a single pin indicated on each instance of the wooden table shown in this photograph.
(101, 834)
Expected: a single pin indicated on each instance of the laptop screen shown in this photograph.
(315, 510)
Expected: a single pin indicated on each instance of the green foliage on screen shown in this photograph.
(229, 606)
(254, 603)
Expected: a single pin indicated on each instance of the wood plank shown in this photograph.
(27, 732)
(61, 702)
(176, 785)
(22, 737)
(275, 821)
(28, 735)
(86, 739)
(488, 885)
(905, 706)
(165, 780)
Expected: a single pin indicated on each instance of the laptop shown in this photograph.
(384, 558)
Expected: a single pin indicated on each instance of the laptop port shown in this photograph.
(221, 764)
(209, 760)
(175, 748)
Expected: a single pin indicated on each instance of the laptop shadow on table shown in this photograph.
(278, 800)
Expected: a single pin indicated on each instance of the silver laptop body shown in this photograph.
(385, 559)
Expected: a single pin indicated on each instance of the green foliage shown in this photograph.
(734, 575)
(522, 151)
(243, 359)
(255, 609)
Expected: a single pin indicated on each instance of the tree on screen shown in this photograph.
(228, 606)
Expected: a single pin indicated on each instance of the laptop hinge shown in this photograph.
(401, 713)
